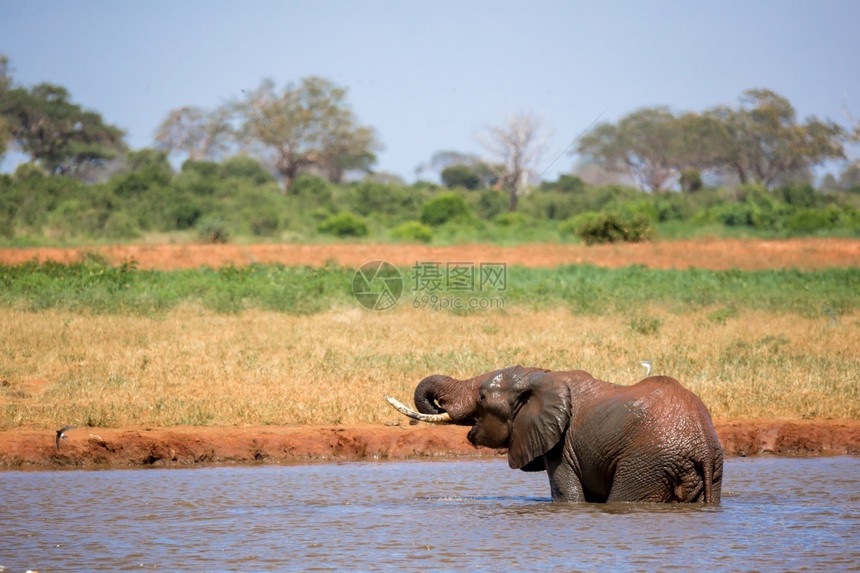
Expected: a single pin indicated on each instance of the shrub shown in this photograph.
(460, 176)
(317, 189)
(183, 212)
(262, 222)
(645, 324)
(413, 231)
(720, 316)
(564, 184)
(489, 202)
(691, 180)
(204, 168)
(511, 220)
(601, 228)
(212, 230)
(382, 198)
(120, 225)
(551, 205)
(319, 214)
(811, 220)
(344, 224)
(445, 207)
(29, 172)
(569, 226)
(611, 228)
(798, 195)
(246, 167)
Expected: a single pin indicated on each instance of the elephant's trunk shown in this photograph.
(439, 394)
(427, 393)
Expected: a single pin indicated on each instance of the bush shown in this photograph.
(645, 324)
(512, 220)
(812, 220)
(445, 207)
(29, 172)
(241, 166)
(691, 180)
(460, 176)
(319, 214)
(413, 231)
(753, 206)
(611, 228)
(183, 213)
(316, 189)
(570, 225)
(564, 184)
(212, 230)
(261, 221)
(798, 195)
(344, 224)
(204, 168)
(489, 202)
(387, 199)
(120, 225)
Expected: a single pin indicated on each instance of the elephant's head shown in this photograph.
(525, 410)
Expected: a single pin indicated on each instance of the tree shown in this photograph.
(200, 134)
(647, 144)
(58, 134)
(849, 179)
(5, 76)
(5, 124)
(441, 160)
(759, 141)
(763, 140)
(305, 126)
(517, 145)
(460, 176)
(457, 169)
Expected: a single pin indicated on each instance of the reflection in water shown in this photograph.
(777, 513)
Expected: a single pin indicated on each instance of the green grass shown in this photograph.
(94, 286)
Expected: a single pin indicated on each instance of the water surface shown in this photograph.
(777, 514)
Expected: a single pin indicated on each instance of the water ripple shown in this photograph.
(777, 514)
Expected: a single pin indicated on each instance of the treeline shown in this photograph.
(295, 163)
(238, 199)
(760, 140)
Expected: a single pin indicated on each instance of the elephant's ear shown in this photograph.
(541, 420)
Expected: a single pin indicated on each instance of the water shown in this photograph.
(777, 514)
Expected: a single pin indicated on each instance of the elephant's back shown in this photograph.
(667, 398)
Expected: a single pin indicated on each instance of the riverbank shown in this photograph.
(184, 446)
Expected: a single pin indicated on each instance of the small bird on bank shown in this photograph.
(647, 365)
(61, 434)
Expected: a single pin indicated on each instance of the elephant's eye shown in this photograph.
(482, 397)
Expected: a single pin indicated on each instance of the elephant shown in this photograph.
(652, 441)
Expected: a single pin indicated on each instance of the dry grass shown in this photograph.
(199, 368)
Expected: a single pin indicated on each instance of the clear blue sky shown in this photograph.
(429, 76)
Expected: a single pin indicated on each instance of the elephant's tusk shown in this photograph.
(444, 418)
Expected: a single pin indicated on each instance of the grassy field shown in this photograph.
(191, 365)
(94, 286)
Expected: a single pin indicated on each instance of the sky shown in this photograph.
(432, 76)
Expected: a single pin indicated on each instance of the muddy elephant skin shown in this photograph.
(653, 441)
